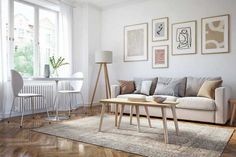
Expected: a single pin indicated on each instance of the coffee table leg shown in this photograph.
(175, 119)
(102, 115)
(148, 117)
(131, 114)
(137, 115)
(163, 110)
(233, 114)
(121, 114)
(116, 114)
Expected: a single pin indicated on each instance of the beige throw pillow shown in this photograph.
(126, 87)
(208, 88)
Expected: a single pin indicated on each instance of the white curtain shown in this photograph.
(65, 37)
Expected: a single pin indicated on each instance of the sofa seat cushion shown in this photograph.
(196, 103)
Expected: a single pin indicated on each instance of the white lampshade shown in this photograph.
(103, 57)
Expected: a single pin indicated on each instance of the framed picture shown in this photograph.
(184, 38)
(160, 29)
(136, 42)
(215, 34)
(160, 56)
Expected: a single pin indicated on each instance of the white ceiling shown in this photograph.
(100, 3)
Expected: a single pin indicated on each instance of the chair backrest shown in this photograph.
(77, 85)
(16, 82)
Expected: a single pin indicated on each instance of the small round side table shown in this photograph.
(232, 103)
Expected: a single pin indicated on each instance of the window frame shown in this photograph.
(36, 44)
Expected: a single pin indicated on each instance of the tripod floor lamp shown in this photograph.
(103, 58)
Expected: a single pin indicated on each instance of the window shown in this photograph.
(35, 37)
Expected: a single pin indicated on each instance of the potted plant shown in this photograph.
(56, 63)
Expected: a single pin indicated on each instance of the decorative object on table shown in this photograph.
(56, 63)
(158, 99)
(46, 71)
(137, 98)
(103, 58)
(160, 29)
(215, 34)
(184, 38)
(160, 56)
(136, 42)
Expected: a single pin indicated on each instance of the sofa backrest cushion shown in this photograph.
(208, 88)
(138, 83)
(166, 84)
(195, 83)
(126, 87)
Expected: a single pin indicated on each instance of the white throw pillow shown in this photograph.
(145, 87)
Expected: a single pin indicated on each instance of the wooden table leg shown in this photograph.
(131, 114)
(175, 119)
(137, 115)
(121, 114)
(163, 110)
(233, 114)
(148, 117)
(116, 114)
(102, 115)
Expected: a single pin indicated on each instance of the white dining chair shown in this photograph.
(17, 85)
(76, 86)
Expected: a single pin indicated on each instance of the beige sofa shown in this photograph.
(190, 106)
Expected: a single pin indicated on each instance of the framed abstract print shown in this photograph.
(184, 38)
(215, 34)
(160, 28)
(136, 42)
(160, 56)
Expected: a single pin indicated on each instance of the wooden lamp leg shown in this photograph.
(100, 68)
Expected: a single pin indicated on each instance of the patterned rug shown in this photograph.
(194, 140)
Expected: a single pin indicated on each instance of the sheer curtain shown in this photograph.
(65, 37)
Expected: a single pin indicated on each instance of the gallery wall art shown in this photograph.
(215, 34)
(184, 38)
(160, 29)
(160, 56)
(136, 42)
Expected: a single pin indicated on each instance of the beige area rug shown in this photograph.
(194, 140)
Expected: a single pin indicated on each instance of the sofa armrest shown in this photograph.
(222, 96)
(115, 91)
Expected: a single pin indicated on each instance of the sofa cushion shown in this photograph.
(197, 103)
(164, 84)
(208, 88)
(138, 83)
(145, 87)
(195, 83)
(126, 87)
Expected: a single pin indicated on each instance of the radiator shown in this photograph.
(40, 104)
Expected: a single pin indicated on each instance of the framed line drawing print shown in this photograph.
(160, 56)
(184, 38)
(215, 34)
(160, 29)
(136, 42)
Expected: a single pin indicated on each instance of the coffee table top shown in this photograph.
(144, 103)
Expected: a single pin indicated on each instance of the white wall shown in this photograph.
(115, 18)
(86, 40)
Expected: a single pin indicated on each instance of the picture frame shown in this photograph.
(160, 29)
(136, 42)
(184, 38)
(215, 34)
(160, 56)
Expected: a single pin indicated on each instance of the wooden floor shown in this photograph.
(16, 142)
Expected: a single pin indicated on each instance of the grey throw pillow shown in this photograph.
(138, 83)
(145, 87)
(171, 88)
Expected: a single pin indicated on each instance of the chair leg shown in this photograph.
(32, 106)
(44, 101)
(70, 105)
(82, 101)
(12, 105)
(22, 113)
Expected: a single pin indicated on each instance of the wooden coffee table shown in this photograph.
(123, 102)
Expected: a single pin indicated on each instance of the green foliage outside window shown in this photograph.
(23, 60)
